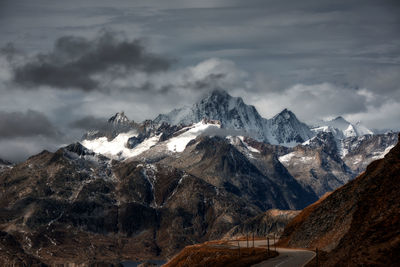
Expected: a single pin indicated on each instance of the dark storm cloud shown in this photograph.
(90, 123)
(26, 124)
(74, 61)
(292, 50)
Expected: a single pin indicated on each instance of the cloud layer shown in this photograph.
(25, 124)
(318, 58)
(75, 60)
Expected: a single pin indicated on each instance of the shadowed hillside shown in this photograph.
(357, 224)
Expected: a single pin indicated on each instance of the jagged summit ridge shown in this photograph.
(119, 118)
(233, 113)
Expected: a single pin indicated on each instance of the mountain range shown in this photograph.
(233, 113)
(330, 154)
(148, 189)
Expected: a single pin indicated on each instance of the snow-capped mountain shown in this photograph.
(117, 124)
(341, 128)
(233, 113)
(321, 158)
(121, 146)
(285, 129)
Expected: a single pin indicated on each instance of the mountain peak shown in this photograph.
(219, 92)
(119, 118)
(340, 118)
(286, 114)
(342, 128)
(234, 114)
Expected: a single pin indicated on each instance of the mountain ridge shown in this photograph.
(284, 128)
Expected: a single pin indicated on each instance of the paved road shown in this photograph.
(287, 257)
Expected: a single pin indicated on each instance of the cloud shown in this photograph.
(10, 51)
(26, 124)
(23, 134)
(313, 102)
(90, 123)
(20, 148)
(75, 61)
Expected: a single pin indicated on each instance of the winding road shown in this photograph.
(287, 257)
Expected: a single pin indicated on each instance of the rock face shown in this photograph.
(358, 152)
(119, 119)
(358, 224)
(318, 164)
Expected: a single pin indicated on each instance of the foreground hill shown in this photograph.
(358, 224)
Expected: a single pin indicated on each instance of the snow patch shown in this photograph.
(179, 143)
(116, 148)
(286, 158)
(250, 148)
(381, 154)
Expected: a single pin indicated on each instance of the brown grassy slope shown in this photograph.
(210, 254)
(357, 224)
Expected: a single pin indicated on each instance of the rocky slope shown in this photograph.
(242, 170)
(55, 204)
(318, 165)
(359, 223)
(359, 152)
(271, 223)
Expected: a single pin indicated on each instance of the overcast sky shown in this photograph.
(65, 63)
